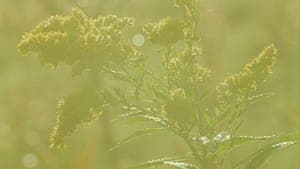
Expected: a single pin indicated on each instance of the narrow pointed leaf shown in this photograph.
(180, 165)
(256, 159)
(157, 120)
(124, 116)
(256, 98)
(136, 135)
(260, 156)
(234, 142)
(167, 161)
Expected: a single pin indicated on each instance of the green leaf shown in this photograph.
(161, 121)
(290, 137)
(167, 161)
(261, 155)
(180, 165)
(135, 135)
(256, 98)
(136, 112)
(256, 159)
(158, 120)
(124, 116)
(230, 144)
(142, 116)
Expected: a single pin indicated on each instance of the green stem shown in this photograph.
(167, 60)
(195, 153)
(233, 130)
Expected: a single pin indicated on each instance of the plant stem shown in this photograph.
(233, 130)
(195, 152)
(167, 60)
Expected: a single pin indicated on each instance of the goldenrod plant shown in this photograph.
(176, 97)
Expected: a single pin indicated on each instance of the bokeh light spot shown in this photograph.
(30, 160)
(138, 40)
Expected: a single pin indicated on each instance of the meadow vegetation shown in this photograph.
(168, 90)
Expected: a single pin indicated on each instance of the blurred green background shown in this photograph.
(232, 32)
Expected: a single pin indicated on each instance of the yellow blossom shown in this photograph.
(165, 32)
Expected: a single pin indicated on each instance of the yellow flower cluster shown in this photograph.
(77, 40)
(185, 3)
(185, 69)
(165, 32)
(82, 106)
(191, 6)
(254, 73)
(201, 73)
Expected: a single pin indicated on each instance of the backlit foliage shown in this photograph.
(173, 97)
(234, 92)
(253, 74)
